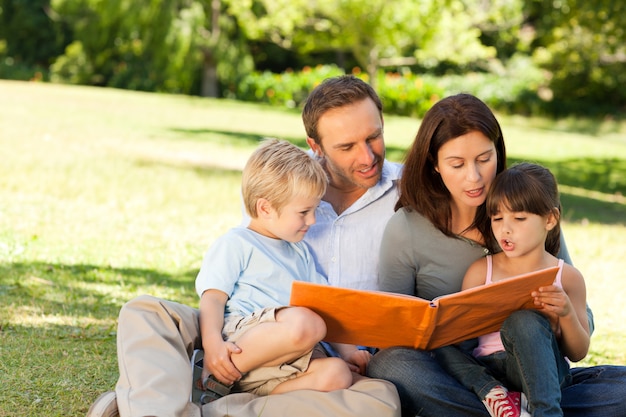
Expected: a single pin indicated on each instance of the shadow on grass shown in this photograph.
(394, 153)
(586, 175)
(604, 175)
(589, 176)
(209, 169)
(578, 209)
(83, 291)
(228, 137)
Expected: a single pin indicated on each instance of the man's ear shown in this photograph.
(263, 208)
(317, 149)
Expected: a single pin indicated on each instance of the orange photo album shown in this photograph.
(382, 319)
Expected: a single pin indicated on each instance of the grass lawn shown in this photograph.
(109, 194)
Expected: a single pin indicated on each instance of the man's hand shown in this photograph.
(358, 361)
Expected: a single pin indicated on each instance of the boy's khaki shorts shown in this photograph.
(262, 381)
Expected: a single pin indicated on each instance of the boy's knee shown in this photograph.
(335, 375)
(306, 327)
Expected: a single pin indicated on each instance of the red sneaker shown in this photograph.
(502, 403)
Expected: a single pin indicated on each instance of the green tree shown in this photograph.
(179, 46)
(117, 43)
(31, 36)
(583, 46)
(378, 33)
(367, 30)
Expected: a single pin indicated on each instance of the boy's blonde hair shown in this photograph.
(279, 171)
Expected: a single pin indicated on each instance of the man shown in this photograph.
(344, 124)
(156, 338)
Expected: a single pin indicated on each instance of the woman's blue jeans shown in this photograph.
(427, 390)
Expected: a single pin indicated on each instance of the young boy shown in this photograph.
(245, 284)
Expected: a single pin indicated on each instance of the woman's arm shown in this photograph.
(397, 269)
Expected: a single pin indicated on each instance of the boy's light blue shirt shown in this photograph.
(255, 271)
(346, 246)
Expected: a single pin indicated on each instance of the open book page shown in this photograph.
(481, 310)
(381, 319)
(367, 318)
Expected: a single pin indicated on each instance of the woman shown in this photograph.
(439, 229)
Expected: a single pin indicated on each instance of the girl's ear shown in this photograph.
(264, 208)
(553, 219)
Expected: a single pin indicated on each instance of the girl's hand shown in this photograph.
(553, 301)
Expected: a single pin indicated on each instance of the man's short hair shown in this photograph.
(333, 93)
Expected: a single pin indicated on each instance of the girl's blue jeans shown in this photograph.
(531, 363)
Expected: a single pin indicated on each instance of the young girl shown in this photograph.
(524, 208)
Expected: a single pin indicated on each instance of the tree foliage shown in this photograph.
(380, 33)
(583, 46)
(31, 37)
(208, 47)
(152, 45)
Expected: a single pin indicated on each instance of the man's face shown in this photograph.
(352, 145)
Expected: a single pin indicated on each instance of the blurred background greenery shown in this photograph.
(541, 57)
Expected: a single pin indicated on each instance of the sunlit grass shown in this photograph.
(108, 194)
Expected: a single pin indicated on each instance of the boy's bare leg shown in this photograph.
(295, 332)
(323, 374)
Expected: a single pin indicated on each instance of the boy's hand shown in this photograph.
(219, 364)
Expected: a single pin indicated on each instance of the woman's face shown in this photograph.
(467, 165)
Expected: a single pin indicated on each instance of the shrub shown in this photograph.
(408, 94)
(515, 89)
(288, 89)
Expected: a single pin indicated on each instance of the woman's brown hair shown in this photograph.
(421, 187)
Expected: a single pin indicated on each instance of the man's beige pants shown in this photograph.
(155, 341)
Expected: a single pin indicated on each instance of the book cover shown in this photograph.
(381, 319)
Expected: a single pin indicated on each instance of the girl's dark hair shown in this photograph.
(530, 188)
(421, 187)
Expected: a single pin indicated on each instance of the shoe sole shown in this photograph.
(104, 406)
(203, 392)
